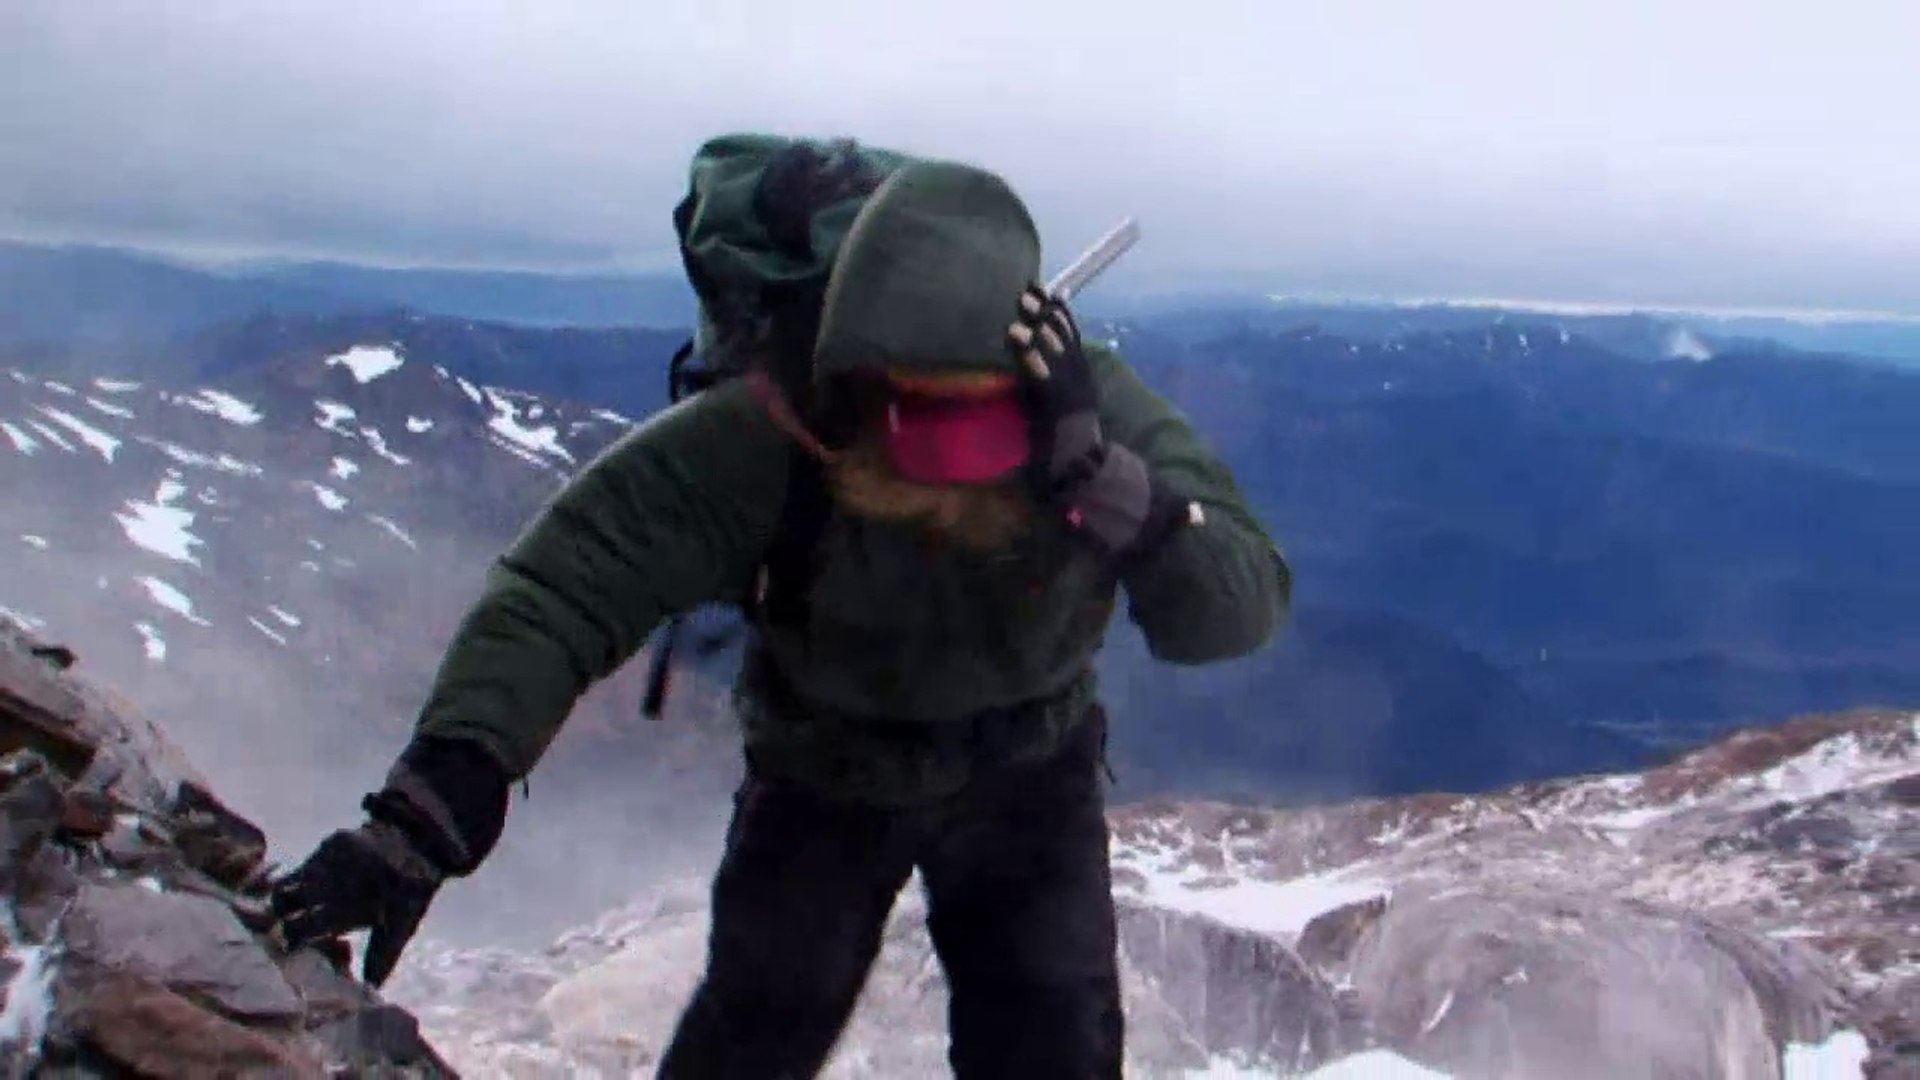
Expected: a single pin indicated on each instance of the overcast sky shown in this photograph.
(1700, 151)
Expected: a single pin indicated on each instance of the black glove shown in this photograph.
(1104, 490)
(439, 815)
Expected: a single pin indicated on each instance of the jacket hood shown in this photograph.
(929, 275)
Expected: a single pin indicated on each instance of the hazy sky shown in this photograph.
(1709, 151)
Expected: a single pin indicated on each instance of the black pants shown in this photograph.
(1020, 911)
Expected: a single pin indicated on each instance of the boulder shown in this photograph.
(134, 929)
(1513, 983)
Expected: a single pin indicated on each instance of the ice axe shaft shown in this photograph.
(1081, 272)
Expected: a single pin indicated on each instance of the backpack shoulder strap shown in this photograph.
(779, 595)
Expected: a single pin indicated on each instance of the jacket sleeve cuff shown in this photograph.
(1124, 508)
(449, 796)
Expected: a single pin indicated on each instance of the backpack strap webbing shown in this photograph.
(781, 587)
(778, 591)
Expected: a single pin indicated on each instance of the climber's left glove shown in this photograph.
(439, 815)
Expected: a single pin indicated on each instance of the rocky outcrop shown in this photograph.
(1466, 982)
(135, 938)
(1197, 992)
(1719, 916)
(1765, 888)
(1518, 983)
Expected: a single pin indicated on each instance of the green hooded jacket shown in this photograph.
(680, 511)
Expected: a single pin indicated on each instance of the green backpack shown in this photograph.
(760, 225)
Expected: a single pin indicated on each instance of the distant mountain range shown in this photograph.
(96, 295)
(75, 294)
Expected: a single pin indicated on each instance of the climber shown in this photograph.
(919, 693)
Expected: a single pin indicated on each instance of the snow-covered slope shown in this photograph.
(212, 503)
(271, 566)
(1752, 903)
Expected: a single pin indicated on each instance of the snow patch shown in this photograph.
(267, 630)
(160, 527)
(109, 408)
(522, 453)
(1844, 1054)
(1279, 908)
(416, 425)
(1632, 819)
(283, 615)
(22, 441)
(1374, 1065)
(328, 497)
(34, 541)
(51, 436)
(172, 599)
(102, 443)
(470, 390)
(398, 533)
(379, 445)
(331, 415)
(31, 622)
(1368, 1065)
(611, 417)
(1838, 764)
(343, 469)
(1439, 1013)
(115, 386)
(156, 645)
(225, 462)
(223, 405)
(1686, 345)
(367, 362)
(58, 387)
(29, 993)
(506, 423)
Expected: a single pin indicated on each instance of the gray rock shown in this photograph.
(1521, 984)
(214, 840)
(1234, 992)
(192, 944)
(325, 992)
(45, 886)
(384, 1041)
(1799, 990)
(30, 803)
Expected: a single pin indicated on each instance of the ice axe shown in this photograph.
(1081, 272)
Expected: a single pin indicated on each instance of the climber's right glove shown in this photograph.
(438, 815)
(1108, 495)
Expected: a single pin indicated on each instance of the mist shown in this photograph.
(1708, 153)
(293, 736)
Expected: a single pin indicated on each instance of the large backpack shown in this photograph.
(760, 225)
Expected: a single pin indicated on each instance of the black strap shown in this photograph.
(789, 563)
(682, 380)
(660, 671)
(788, 570)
